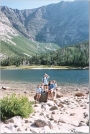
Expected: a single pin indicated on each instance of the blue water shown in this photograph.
(62, 76)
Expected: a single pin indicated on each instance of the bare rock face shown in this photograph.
(79, 94)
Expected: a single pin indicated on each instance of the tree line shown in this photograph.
(75, 55)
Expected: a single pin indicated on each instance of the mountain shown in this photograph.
(15, 43)
(73, 55)
(43, 29)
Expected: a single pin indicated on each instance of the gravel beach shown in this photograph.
(68, 113)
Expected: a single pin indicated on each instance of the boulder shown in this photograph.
(79, 94)
(5, 88)
(72, 114)
(53, 108)
(82, 123)
(42, 123)
(26, 121)
(58, 95)
(9, 121)
(53, 112)
(85, 114)
(43, 97)
(60, 105)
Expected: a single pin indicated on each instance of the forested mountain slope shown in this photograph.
(75, 55)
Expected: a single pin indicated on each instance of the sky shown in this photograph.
(27, 4)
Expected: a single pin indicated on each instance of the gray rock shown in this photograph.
(9, 121)
(18, 129)
(85, 115)
(26, 121)
(72, 114)
(53, 108)
(59, 95)
(35, 105)
(60, 105)
(82, 124)
(42, 123)
(53, 112)
(79, 94)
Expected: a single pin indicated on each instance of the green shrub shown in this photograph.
(15, 106)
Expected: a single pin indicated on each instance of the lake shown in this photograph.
(62, 76)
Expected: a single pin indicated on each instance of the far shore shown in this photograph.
(41, 67)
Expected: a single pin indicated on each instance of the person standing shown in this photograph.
(45, 80)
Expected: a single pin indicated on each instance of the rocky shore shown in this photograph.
(68, 113)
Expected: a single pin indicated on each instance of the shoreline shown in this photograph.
(42, 67)
(29, 88)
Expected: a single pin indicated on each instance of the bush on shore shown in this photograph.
(15, 106)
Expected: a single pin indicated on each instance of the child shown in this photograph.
(54, 88)
(42, 88)
(45, 80)
(50, 91)
(38, 92)
(46, 88)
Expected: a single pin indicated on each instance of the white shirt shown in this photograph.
(45, 80)
(38, 90)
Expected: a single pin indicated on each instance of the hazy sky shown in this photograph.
(27, 4)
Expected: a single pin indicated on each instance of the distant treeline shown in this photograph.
(75, 55)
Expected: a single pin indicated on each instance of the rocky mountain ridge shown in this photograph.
(43, 29)
(63, 23)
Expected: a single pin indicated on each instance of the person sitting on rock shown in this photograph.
(54, 88)
(50, 91)
(46, 88)
(45, 80)
(38, 92)
(42, 88)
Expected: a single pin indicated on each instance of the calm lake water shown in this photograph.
(62, 76)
